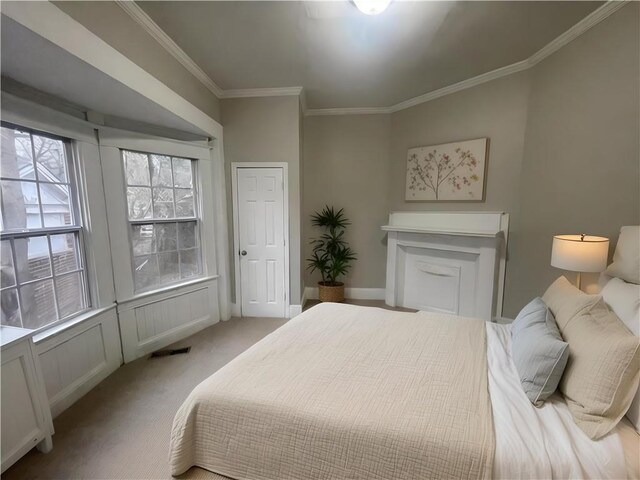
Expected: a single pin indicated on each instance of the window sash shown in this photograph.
(80, 270)
(71, 183)
(151, 186)
(179, 251)
(133, 222)
(75, 228)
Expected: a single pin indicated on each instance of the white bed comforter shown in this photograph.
(541, 443)
(530, 443)
(346, 392)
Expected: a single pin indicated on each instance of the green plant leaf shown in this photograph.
(332, 255)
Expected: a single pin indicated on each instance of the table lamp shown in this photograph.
(580, 253)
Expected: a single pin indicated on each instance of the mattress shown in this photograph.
(346, 392)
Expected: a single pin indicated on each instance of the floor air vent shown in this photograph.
(171, 351)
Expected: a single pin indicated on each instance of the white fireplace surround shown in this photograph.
(447, 262)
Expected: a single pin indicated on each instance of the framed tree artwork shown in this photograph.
(451, 172)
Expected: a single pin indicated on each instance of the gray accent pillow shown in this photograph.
(538, 351)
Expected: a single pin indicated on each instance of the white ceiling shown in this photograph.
(343, 58)
(39, 64)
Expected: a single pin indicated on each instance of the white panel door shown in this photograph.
(262, 241)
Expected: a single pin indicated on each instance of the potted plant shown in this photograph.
(331, 255)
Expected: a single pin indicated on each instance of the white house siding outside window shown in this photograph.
(43, 278)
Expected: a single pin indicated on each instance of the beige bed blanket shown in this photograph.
(346, 392)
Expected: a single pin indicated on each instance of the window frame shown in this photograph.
(76, 228)
(197, 219)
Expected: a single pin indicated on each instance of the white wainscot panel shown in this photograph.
(155, 321)
(76, 359)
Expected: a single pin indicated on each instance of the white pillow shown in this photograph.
(624, 299)
(626, 259)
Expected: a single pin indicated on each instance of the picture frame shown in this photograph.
(448, 172)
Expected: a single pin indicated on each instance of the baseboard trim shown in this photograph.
(167, 338)
(311, 293)
(294, 310)
(235, 310)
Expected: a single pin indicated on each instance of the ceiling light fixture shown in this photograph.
(372, 7)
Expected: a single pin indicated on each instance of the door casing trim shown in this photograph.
(235, 166)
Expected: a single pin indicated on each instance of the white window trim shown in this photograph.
(79, 212)
(112, 142)
(89, 185)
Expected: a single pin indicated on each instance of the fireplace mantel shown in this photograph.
(447, 262)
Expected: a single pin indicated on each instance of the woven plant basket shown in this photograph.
(331, 293)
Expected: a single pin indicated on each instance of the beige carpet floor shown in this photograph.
(121, 428)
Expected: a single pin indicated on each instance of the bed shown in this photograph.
(343, 391)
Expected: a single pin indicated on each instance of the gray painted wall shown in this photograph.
(581, 169)
(564, 140)
(267, 130)
(346, 165)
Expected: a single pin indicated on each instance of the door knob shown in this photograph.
(243, 253)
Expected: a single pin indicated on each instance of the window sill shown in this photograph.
(49, 332)
(169, 289)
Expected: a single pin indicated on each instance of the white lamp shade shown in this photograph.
(578, 253)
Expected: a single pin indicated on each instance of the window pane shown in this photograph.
(69, 293)
(50, 159)
(139, 200)
(163, 203)
(142, 239)
(186, 235)
(161, 171)
(7, 274)
(136, 168)
(55, 204)
(146, 272)
(184, 203)
(65, 251)
(190, 262)
(16, 155)
(38, 195)
(182, 173)
(168, 267)
(32, 257)
(20, 206)
(10, 308)
(166, 238)
(38, 304)
(170, 195)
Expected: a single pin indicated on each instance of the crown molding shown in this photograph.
(574, 32)
(463, 85)
(152, 28)
(319, 112)
(591, 20)
(147, 23)
(262, 92)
